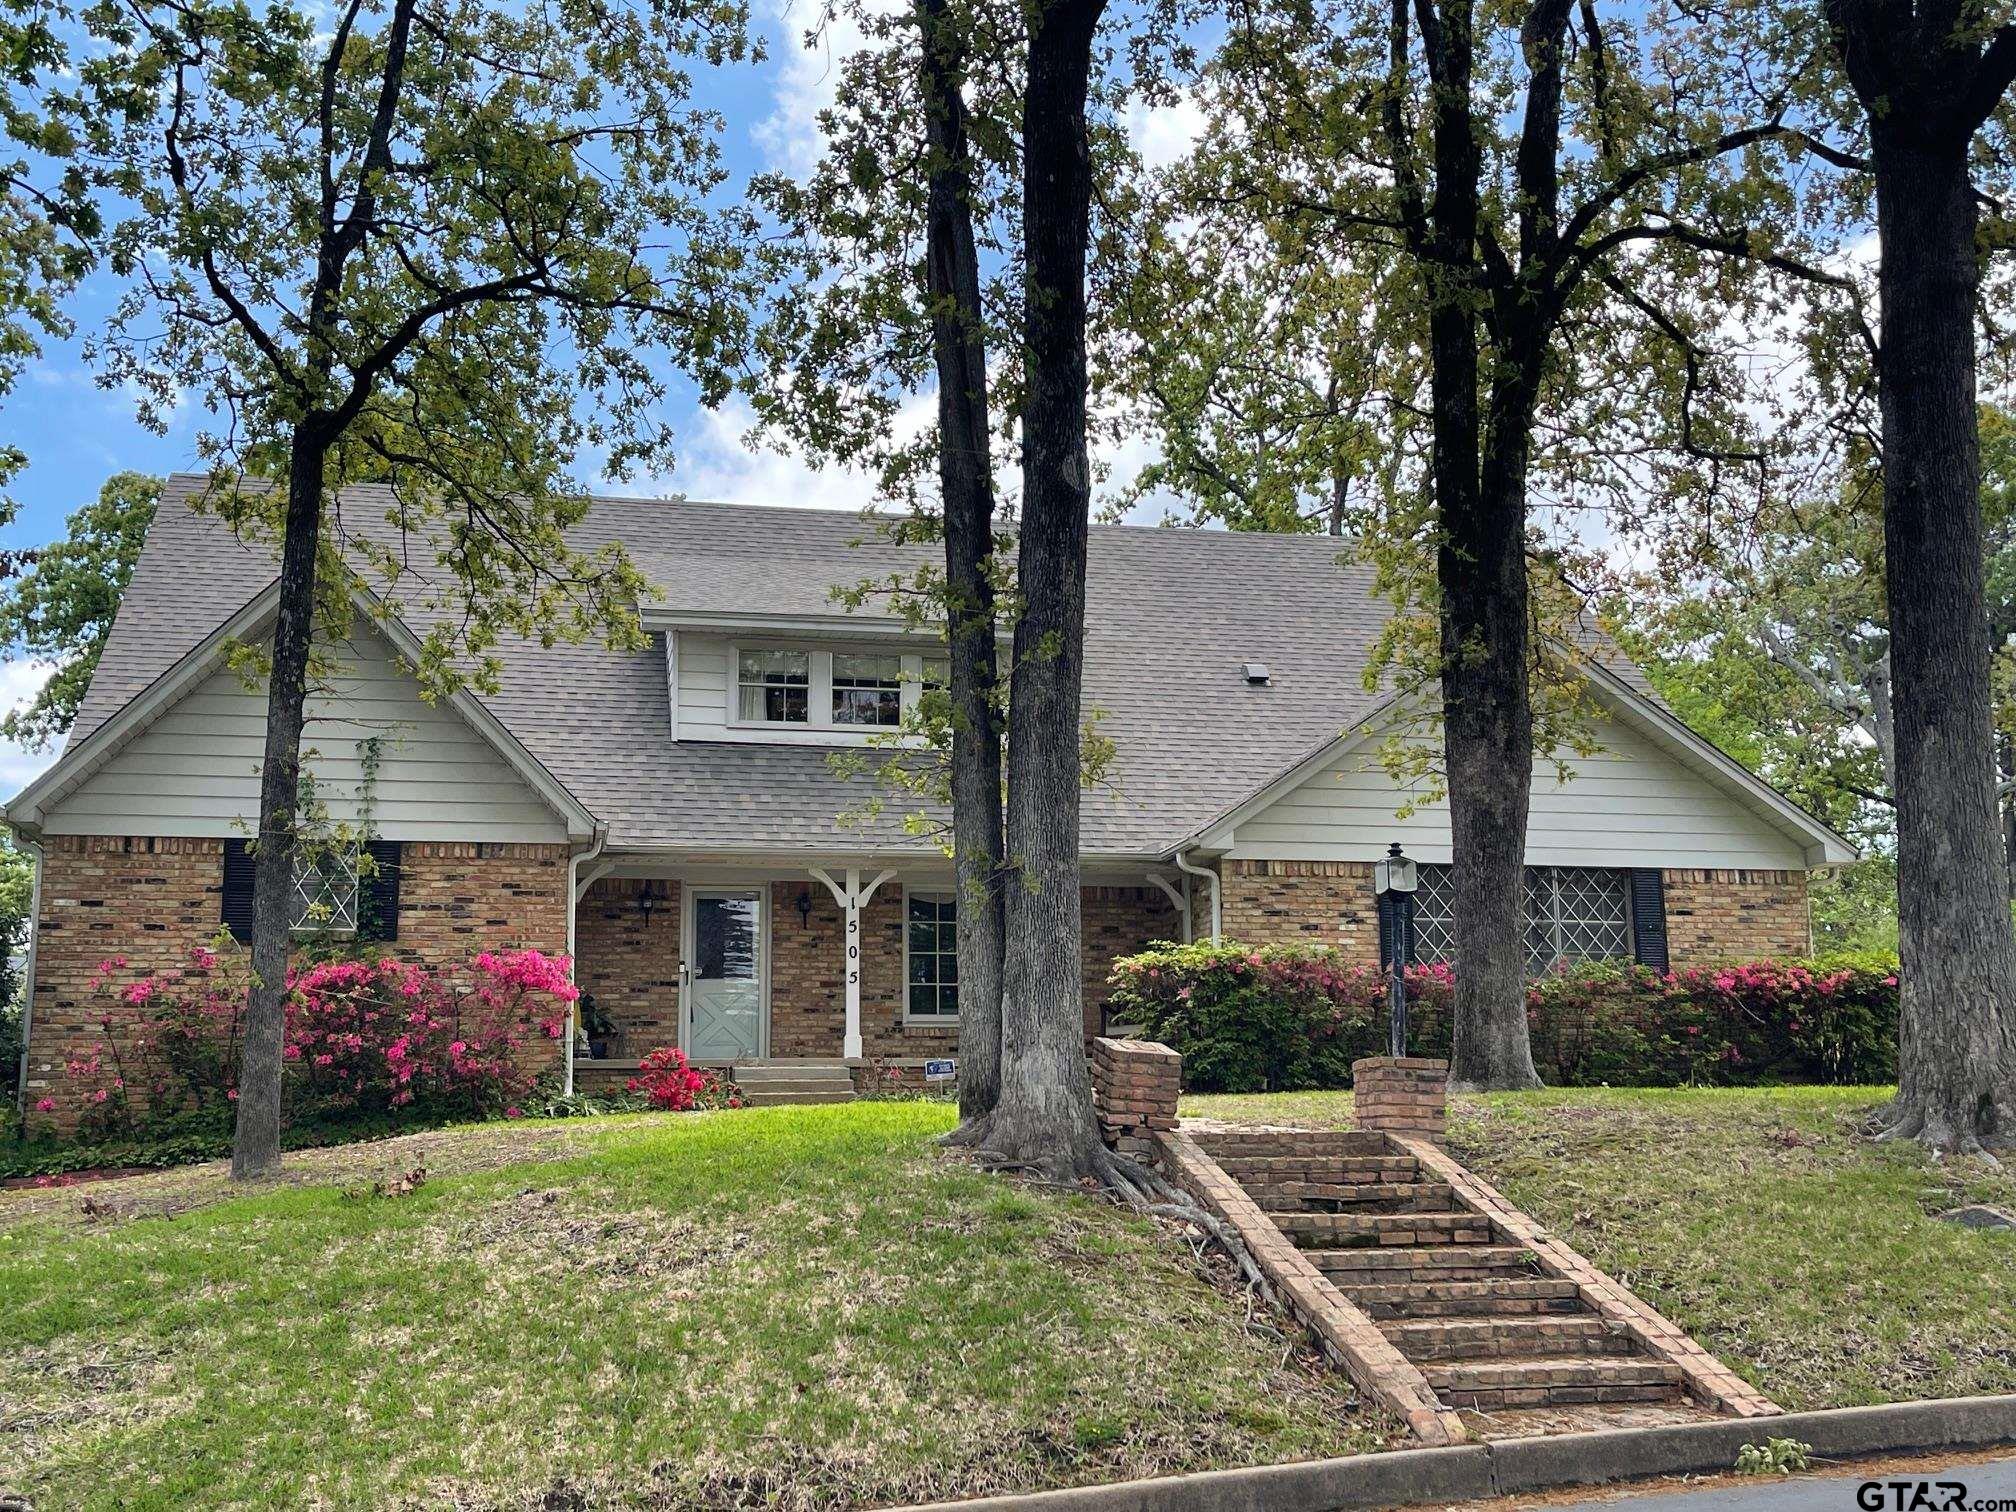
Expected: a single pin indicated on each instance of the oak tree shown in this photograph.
(432, 244)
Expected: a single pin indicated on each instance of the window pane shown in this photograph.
(937, 672)
(867, 671)
(923, 1001)
(724, 939)
(948, 1001)
(1434, 914)
(774, 687)
(923, 966)
(777, 667)
(325, 893)
(923, 937)
(867, 706)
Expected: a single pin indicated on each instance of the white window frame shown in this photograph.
(812, 690)
(819, 691)
(298, 921)
(934, 895)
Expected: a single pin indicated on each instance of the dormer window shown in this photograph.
(775, 686)
(867, 690)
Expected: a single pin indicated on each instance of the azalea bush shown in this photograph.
(667, 1081)
(1284, 1018)
(363, 1036)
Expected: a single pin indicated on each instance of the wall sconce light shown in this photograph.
(649, 899)
(804, 904)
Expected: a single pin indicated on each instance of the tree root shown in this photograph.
(1941, 1137)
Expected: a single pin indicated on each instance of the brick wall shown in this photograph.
(1720, 915)
(1116, 922)
(629, 965)
(1135, 1086)
(1302, 902)
(152, 899)
(634, 976)
(1711, 914)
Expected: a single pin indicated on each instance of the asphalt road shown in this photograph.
(1917, 1490)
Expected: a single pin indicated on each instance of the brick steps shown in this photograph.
(1487, 1325)
(1435, 1264)
(1256, 1172)
(1335, 1231)
(1231, 1146)
(1501, 1297)
(1552, 1381)
(1506, 1338)
(1333, 1197)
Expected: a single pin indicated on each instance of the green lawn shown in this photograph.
(803, 1307)
(1762, 1221)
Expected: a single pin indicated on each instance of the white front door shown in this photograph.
(724, 991)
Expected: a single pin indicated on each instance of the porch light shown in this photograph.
(649, 899)
(1394, 880)
(803, 903)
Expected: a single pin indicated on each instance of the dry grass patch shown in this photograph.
(797, 1308)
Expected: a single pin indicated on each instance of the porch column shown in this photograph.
(852, 898)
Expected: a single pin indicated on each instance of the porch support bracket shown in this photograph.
(852, 898)
(1179, 896)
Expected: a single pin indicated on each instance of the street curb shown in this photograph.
(1475, 1472)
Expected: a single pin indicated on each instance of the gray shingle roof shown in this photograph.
(1171, 616)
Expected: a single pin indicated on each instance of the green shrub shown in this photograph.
(1270, 1018)
(1282, 1018)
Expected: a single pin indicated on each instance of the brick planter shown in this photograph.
(1404, 1095)
(1135, 1084)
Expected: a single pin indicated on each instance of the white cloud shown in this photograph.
(808, 81)
(19, 682)
(720, 464)
(1164, 134)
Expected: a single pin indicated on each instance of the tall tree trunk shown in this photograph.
(1487, 736)
(966, 481)
(255, 1146)
(1957, 1033)
(1480, 569)
(1044, 1120)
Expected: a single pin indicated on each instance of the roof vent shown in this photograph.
(1255, 673)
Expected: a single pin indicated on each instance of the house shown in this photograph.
(674, 819)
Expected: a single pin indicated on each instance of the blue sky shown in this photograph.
(76, 433)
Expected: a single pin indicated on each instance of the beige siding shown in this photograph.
(195, 770)
(1630, 804)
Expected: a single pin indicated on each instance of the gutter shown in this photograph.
(34, 848)
(1211, 880)
(573, 897)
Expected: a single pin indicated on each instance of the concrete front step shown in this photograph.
(772, 1095)
(1552, 1381)
(1435, 1265)
(1500, 1338)
(751, 1074)
(1366, 1197)
(1257, 1171)
(1335, 1231)
(1501, 1297)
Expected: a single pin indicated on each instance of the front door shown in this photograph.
(724, 992)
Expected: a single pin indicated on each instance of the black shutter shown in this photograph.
(1648, 917)
(1386, 912)
(378, 894)
(237, 912)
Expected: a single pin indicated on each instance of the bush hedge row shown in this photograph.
(1288, 1018)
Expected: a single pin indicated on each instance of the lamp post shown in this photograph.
(1393, 882)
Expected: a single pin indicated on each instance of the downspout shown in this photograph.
(1211, 880)
(34, 849)
(573, 898)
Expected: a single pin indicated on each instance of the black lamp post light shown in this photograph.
(1393, 882)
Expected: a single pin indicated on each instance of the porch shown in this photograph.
(804, 968)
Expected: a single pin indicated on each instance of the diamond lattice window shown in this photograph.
(1572, 913)
(325, 893)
